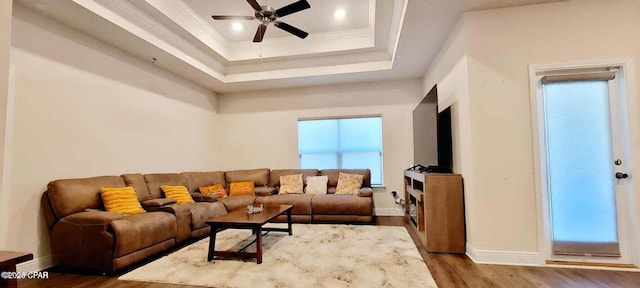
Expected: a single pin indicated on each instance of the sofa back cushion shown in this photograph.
(154, 181)
(334, 173)
(260, 177)
(274, 178)
(203, 179)
(137, 182)
(69, 196)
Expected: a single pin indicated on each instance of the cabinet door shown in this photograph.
(444, 213)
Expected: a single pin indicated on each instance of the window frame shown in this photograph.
(536, 73)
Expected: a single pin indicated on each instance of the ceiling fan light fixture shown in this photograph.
(267, 15)
(237, 26)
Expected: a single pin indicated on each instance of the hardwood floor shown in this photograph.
(449, 270)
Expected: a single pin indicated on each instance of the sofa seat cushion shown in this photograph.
(139, 231)
(301, 202)
(201, 212)
(342, 205)
(237, 202)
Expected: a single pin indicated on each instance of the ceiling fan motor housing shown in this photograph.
(267, 15)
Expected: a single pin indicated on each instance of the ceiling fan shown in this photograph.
(267, 14)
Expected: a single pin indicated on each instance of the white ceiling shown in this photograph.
(377, 40)
(323, 11)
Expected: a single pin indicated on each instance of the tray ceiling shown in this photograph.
(375, 40)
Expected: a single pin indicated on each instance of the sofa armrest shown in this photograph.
(85, 239)
(199, 197)
(92, 217)
(365, 192)
(158, 202)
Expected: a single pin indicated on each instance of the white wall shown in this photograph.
(500, 45)
(264, 124)
(86, 109)
(5, 46)
(450, 72)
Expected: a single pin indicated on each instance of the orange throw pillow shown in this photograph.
(216, 189)
(242, 188)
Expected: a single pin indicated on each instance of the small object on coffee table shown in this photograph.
(252, 209)
(239, 219)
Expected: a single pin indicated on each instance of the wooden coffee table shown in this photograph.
(239, 219)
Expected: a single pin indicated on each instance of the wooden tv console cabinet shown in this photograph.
(435, 210)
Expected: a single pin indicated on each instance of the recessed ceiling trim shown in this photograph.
(181, 14)
(372, 15)
(130, 18)
(192, 23)
(397, 21)
(136, 30)
(309, 71)
(315, 44)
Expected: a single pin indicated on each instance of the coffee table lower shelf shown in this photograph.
(239, 219)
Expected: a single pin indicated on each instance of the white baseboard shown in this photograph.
(520, 258)
(37, 264)
(388, 212)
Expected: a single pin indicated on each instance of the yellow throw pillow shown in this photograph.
(242, 188)
(216, 189)
(349, 183)
(291, 184)
(121, 200)
(179, 193)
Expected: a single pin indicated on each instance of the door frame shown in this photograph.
(629, 208)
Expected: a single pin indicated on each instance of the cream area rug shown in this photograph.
(315, 255)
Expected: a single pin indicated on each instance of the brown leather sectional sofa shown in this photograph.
(85, 236)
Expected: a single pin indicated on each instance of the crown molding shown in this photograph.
(321, 54)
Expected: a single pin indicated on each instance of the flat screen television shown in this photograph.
(432, 142)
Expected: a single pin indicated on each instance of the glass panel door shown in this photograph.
(580, 168)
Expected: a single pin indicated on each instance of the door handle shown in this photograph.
(621, 175)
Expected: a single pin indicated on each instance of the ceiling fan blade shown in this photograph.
(218, 17)
(291, 29)
(293, 8)
(260, 33)
(256, 6)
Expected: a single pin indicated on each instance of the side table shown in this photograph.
(8, 261)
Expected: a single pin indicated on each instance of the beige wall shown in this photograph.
(85, 109)
(264, 125)
(450, 72)
(500, 46)
(5, 46)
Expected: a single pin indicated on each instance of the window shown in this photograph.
(353, 143)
